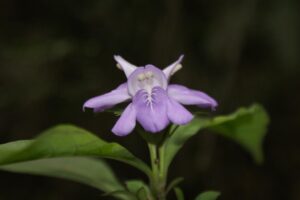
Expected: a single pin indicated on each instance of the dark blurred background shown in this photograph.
(54, 55)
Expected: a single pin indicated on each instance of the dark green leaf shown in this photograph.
(89, 171)
(208, 195)
(115, 111)
(66, 140)
(179, 136)
(178, 193)
(246, 126)
(142, 194)
(134, 185)
(121, 194)
(139, 188)
(173, 184)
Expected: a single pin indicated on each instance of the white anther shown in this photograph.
(119, 66)
(149, 74)
(141, 77)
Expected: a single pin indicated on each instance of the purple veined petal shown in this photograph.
(173, 68)
(126, 122)
(187, 96)
(152, 110)
(177, 113)
(108, 100)
(126, 66)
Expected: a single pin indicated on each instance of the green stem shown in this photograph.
(162, 170)
(158, 180)
(154, 158)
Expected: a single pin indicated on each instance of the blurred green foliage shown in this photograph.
(63, 152)
(56, 54)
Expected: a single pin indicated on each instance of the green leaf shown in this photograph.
(66, 141)
(208, 195)
(246, 126)
(139, 188)
(173, 184)
(178, 193)
(115, 111)
(89, 171)
(180, 134)
(121, 194)
(142, 194)
(134, 185)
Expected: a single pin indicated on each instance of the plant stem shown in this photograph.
(158, 181)
(154, 158)
(162, 171)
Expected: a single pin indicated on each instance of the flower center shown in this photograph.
(145, 81)
(146, 78)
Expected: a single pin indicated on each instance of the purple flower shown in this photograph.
(154, 102)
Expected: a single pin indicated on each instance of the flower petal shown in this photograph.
(126, 122)
(173, 68)
(187, 96)
(108, 100)
(177, 113)
(152, 114)
(127, 67)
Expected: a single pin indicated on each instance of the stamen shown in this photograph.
(141, 77)
(149, 74)
(119, 66)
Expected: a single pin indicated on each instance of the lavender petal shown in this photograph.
(152, 114)
(188, 96)
(177, 113)
(126, 122)
(108, 100)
